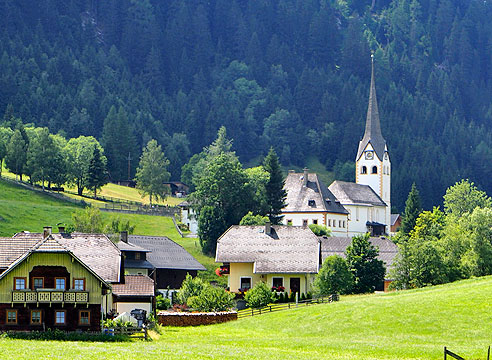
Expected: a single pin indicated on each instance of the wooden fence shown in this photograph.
(279, 307)
(128, 331)
(457, 357)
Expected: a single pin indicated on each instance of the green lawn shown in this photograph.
(23, 209)
(413, 324)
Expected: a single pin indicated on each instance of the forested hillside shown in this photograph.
(293, 74)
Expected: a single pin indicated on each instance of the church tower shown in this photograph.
(372, 164)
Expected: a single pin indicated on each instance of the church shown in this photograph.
(344, 207)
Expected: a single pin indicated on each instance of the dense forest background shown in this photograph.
(293, 74)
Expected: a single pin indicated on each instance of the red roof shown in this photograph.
(135, 285)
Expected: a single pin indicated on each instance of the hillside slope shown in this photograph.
(291, 74)
(414, 324)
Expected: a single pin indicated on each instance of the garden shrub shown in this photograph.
(260, 295)
(334, 277)
(190, 287)
(212, 298)
(162, 303)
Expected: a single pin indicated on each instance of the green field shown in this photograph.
(414, 324)
(23, 209)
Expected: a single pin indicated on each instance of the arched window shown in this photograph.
(374, 170)
(363, 170)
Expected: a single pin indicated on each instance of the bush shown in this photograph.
(320, 230)
(190, 287)
(334, 277)
(162, 303)
(212, 298)
(259, 296)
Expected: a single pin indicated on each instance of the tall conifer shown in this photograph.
(276, 195)
(413, 207)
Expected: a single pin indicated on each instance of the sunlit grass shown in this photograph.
(407, 325)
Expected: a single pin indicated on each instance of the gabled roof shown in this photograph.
(97, 251)
(372, 134)
(314, 197)
(350, 193)
(288, 249)
(50, 245)
(336, 245)
(135, 285)
(125, 246)
(165, 253)
(13, 248)
(394, 218)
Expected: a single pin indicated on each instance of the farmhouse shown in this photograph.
(57, 281)
(281, 256)
(170, 261)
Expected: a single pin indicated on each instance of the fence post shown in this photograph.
(252, 312)
(488, 354)
(270, 308)
(297, 299)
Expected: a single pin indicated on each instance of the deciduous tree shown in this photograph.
(367, 270)
(152, 173)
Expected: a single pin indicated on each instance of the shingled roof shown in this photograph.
(352, 194)
(96, 251)
(336, 245)
(135, 285)
(312, 197)
(287, 249)
(165, 253)
(372, 134)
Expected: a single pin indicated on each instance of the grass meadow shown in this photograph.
(413, 324)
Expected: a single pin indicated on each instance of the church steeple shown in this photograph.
(372, 134)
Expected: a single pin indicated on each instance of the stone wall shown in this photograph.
(194, 319)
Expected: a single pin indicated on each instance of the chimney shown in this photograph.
(124, 236)
(61, 229)
(268, 228)
(305, 177)
(46, 231)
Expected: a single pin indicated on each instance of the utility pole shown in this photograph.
(129, 161)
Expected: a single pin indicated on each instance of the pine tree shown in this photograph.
(276, 194)
(97, 175)
(413, 208)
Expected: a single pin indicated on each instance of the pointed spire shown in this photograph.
(373, 127)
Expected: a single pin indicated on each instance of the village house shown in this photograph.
(309, 201)
(58, 281)
(189, 216)
(280, 256)
(165, 261)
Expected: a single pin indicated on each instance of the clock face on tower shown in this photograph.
(369, 155)
(385, 156)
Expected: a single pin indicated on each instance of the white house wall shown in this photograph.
(188, 217)
(323, 218)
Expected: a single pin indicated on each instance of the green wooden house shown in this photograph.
(56, 281)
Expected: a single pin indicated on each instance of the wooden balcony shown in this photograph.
(50, 296)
